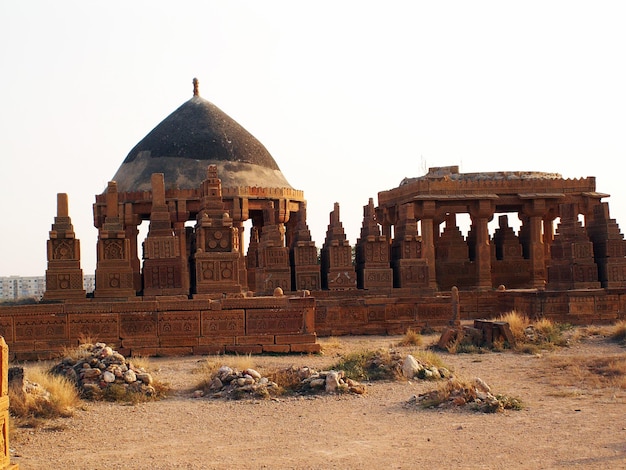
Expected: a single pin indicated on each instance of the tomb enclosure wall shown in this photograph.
(164, 327)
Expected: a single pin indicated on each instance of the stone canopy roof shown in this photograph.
(185, 143)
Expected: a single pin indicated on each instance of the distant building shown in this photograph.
(21, 287)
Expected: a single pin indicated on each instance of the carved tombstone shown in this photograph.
(509, 268)
(452, 257)
(64, 276)
(114, 271)
(163, 261)
(5, 458)
(273, 256)
(216, 256)
(337, 268)
(572, 265)
(409, 268)
(373, 270)
(609, 248)
(305, 270)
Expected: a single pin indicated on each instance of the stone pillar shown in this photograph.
(548, 235)
(180, 232)
(131, 223)
(217, 256)
(162, 266)
(480, 218)
(336, 257)
(427, 214)
(305, 270)
(609, 248)
(114, 272)
(531, 236)
(372, 254)
(273, 270)
(572, 265)
(409, 268)
(252, 258)
(243, 269)
(64, 277)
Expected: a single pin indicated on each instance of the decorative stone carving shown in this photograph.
(509, 268)
(609, 247)
(273, 256)
(452, 257)
(114, 271)
(372, 254)
(216, 255)
(163, 265)
(64, 276)
(305, 269)
(337, 268)
(409, 268)
(572, 265)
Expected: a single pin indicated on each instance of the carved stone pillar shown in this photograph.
(337, 269)
(131, 224)
(64, 277)
(114, 271)
(372, 254)
(273, 270)
(480, 218)
(217, 256)
(572, 265)
(409, 268)
(162, 266)
(534, 212)
(305, 270)
(426, 212)
(180, 232)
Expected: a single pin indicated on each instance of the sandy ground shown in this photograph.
(563, 424)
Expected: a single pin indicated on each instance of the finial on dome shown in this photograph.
(196, 91)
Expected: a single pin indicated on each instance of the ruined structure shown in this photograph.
(198, 177)
(480, 262)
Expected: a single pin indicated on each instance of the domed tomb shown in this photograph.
(179, 152)
(185, 143)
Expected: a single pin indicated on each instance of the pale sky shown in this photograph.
(349, 97)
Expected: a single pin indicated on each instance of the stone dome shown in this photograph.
(185, 143)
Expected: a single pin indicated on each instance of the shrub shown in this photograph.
(411, 338)
(381, 364)
(47, 396)
(619, 331)
(517, 324)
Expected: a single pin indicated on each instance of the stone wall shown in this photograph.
(253, 325)
(164, 327)
(394, 313)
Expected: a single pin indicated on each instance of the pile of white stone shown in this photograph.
(249, 383)
(95, 367)
(475, 394)
(412, 368)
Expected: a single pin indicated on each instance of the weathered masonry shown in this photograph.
(191, 286)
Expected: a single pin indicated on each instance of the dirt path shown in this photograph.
(561, 426)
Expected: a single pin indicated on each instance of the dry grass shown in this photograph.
(382, 364)
(589, 372)
(517, 323)
(461, 392)
(411, 338)
(618, 332)
(53, 397)
(429, 357)
(207, 368)
(329, 345)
